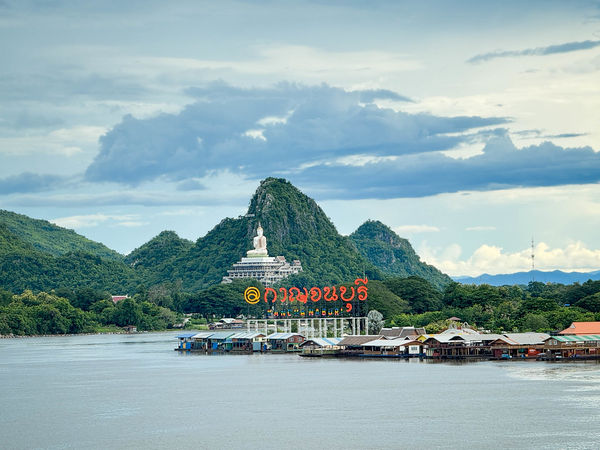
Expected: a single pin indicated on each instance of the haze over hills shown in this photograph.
(556, 276)
(44, 256)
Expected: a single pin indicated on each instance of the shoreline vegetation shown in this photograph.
(411, 301)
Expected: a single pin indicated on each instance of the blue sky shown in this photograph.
(468, 127)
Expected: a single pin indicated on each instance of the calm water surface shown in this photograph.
(134, 391)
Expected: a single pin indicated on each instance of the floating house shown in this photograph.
(352, 345)
(574, 346)
(185, 341)
(245, 342)
(285, 342)
(321, 346)
(402, 347)
(519, 345)
(222, 341)
(459, 343)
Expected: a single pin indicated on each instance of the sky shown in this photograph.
(469, 128)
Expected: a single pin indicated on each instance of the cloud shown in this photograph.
(537, 51)
(500, 166)
(412, 229)
(495, 260)
(30, 182)
(480, 228)
(94, 220)
(226, 130)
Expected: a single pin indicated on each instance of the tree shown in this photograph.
(535, 322)
(419, 293)
(591, 302)
(375, 321)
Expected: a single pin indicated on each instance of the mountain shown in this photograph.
(24, 267)
(556, 276)
(394, 255)
(295, 227)
(35, 254)
(54, 240)
(166, 246)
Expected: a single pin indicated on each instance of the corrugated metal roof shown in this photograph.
(221, 335)
(357, 340)
(388, 343)
(578, 338)
(247, 335)
(401, 331)
(203, 334)
(214, 335)
(186, 335)
(282, 335)
(524, 338)
(323, 342)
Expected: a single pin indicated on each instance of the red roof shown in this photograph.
(116, 298)
(582, 328)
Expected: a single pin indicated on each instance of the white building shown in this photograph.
(258, 264)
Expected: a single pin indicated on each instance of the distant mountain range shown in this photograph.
(556, 276)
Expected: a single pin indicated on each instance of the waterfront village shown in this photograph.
(349, 336)
(580, 341)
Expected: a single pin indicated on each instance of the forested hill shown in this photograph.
(394, 255)
(24, 267)
(295, 227)
(54, 240)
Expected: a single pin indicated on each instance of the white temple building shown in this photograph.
(258, 264)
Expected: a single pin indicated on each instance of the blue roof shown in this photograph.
(186, 335)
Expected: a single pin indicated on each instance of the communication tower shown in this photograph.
(532, 260)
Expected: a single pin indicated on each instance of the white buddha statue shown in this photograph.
(260, 244)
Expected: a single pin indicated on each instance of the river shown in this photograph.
(135, 392)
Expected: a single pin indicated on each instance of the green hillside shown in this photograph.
(394, 255)
(52, 239)
(24, 267)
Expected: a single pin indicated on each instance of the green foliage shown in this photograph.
(535, 322)
(418, 292)
(393, 255)
(51, 239)
(225, 300)
(510, 308)
(43, 313)
(591, 302)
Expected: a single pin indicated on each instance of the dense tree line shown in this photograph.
(56, 313)
(536, 307)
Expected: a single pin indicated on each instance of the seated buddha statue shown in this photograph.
(260, 244)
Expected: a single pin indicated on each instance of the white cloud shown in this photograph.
(494, 260)
(481, 228)
(63, 141)
(256, 134)
(411, 229)
(94, 220)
